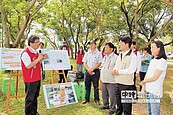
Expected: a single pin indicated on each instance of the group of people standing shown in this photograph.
(117, 73)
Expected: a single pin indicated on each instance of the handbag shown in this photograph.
(79, 75)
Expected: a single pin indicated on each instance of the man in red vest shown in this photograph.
(30, 62)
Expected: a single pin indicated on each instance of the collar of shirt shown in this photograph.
(146, 55)
(110, 55)
(32, 50)
(94, 51)
(107, 57)
(124, 53)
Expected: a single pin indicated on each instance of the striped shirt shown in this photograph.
(92, 58)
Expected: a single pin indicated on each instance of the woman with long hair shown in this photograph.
(152, 85)
(80, 55)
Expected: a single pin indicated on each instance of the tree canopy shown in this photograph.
(78, 21)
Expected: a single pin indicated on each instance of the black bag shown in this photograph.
(79, 75)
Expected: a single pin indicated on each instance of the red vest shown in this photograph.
(33, 74)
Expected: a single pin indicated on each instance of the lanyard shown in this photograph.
(109, 62)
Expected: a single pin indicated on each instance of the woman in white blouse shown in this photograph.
(153, 82)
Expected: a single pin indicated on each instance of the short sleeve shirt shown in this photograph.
(156, 87)
(92, 58)
(26, 58)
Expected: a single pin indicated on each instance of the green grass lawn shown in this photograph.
(16, 106)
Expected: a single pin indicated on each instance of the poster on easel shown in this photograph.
(57, 95)
(10, 59)
(56, 60)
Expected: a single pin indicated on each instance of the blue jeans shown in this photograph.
(153, 104)
(80, 67)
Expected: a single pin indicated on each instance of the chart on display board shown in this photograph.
(10, 59)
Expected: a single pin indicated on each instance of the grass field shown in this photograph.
(17, 105)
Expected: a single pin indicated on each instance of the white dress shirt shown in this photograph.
(138, 61)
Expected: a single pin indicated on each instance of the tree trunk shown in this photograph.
(20, 34)
(5, 26)
(26, 21)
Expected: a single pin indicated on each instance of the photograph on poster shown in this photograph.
(57, 95)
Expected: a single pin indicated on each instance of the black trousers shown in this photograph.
(61, 76)
(42, 72)
(95, 80)
(135, 88)
(142, 76)
(123, 107)
(32, 92)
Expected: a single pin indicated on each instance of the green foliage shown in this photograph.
(168, 39)
(79, 21)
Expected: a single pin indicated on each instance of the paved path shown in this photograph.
(139, 109)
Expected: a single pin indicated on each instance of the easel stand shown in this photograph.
(56, 72)
(17, 74)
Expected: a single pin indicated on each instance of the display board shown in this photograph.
(57, 95)
(10, 59)
(56, 60)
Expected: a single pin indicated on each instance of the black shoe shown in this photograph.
(111, 112)
(37, 113)
(85, 102)
(104, 108)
